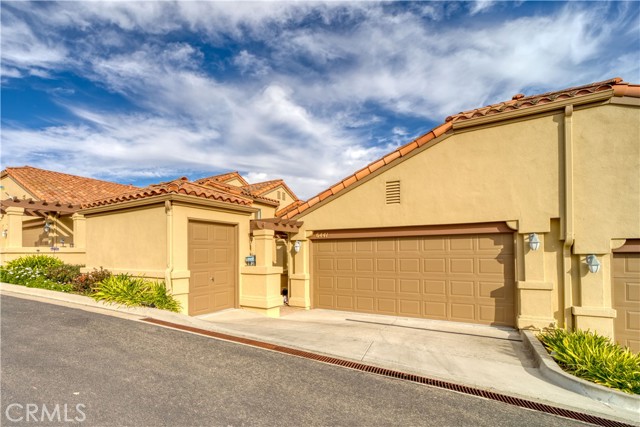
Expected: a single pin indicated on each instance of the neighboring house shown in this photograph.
(53, 197)
(275, 189)
(497, 216)
(196, 236)
(193, 235)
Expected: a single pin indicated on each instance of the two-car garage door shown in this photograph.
(468, 278)
(626, 297)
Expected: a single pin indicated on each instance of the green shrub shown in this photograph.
(44, 283)
(85, 282)
(39, 262)
(31, 278)
(64, 273)
(159, 298)
(20, 275)
(39, 271)
(134, 291)
(594, 358)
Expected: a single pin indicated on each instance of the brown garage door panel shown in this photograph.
(211, 258)
(626, 299)
(466, 278)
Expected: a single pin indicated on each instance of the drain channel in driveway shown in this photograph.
(515, 401)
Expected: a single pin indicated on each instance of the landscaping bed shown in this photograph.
(594, 358)
(48, 272)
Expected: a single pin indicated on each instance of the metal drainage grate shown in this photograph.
(515, 401)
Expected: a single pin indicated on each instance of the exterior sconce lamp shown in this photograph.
(593, 263)
(296, 246)
(250, 260)
(47, 227)
(5, 233)
(534, 242)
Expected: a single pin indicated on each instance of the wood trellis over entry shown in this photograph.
(39, 208)
(276, 224)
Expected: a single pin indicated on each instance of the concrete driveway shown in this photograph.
(485, 357)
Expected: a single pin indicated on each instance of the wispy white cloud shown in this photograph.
(249, 63)
(481, 6)
(296, 108)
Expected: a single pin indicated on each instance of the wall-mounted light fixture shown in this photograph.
(47, 227)
(296, 246)
(593, 263)
(5, 233)
(534, 242)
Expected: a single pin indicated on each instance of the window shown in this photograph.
(393, 192)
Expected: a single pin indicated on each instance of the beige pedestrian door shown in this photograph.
(626, 299)
(467, 278)
(212, 256)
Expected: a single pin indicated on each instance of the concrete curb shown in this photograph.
(551, 371)
(90, 302)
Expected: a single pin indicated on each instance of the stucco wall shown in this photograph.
(133, 241)
(285, 199)
(10, 188)
(607, 176)
(266, 211)
(481, 176)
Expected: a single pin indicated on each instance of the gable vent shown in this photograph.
(393, 192)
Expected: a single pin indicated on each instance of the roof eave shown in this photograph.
(533, 110)
(182, 198)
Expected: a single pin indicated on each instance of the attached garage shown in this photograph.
(626, 296)
(458, 277)
(561, 172)
(212, 263)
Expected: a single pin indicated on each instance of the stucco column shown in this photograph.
(595, 312)
(79, 230)
(299, 288)
(261, 283)
(14, 226)
(264, 243)
(534, 291)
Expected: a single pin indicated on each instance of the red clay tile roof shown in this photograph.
(295, 204)
(178, 186)
(521, 101)
(237, 190)
(224, 178)
(616, 85)
(56, 186)
(260, 188)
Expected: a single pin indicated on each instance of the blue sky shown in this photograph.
(143, 92)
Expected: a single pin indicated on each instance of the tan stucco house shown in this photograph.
(34, 199)
(193, 235)
(524, 213)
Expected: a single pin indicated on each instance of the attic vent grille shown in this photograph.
(393, 192)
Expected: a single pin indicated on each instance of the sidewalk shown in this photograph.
(478, 356)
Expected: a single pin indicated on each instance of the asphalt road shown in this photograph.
(99, 370)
